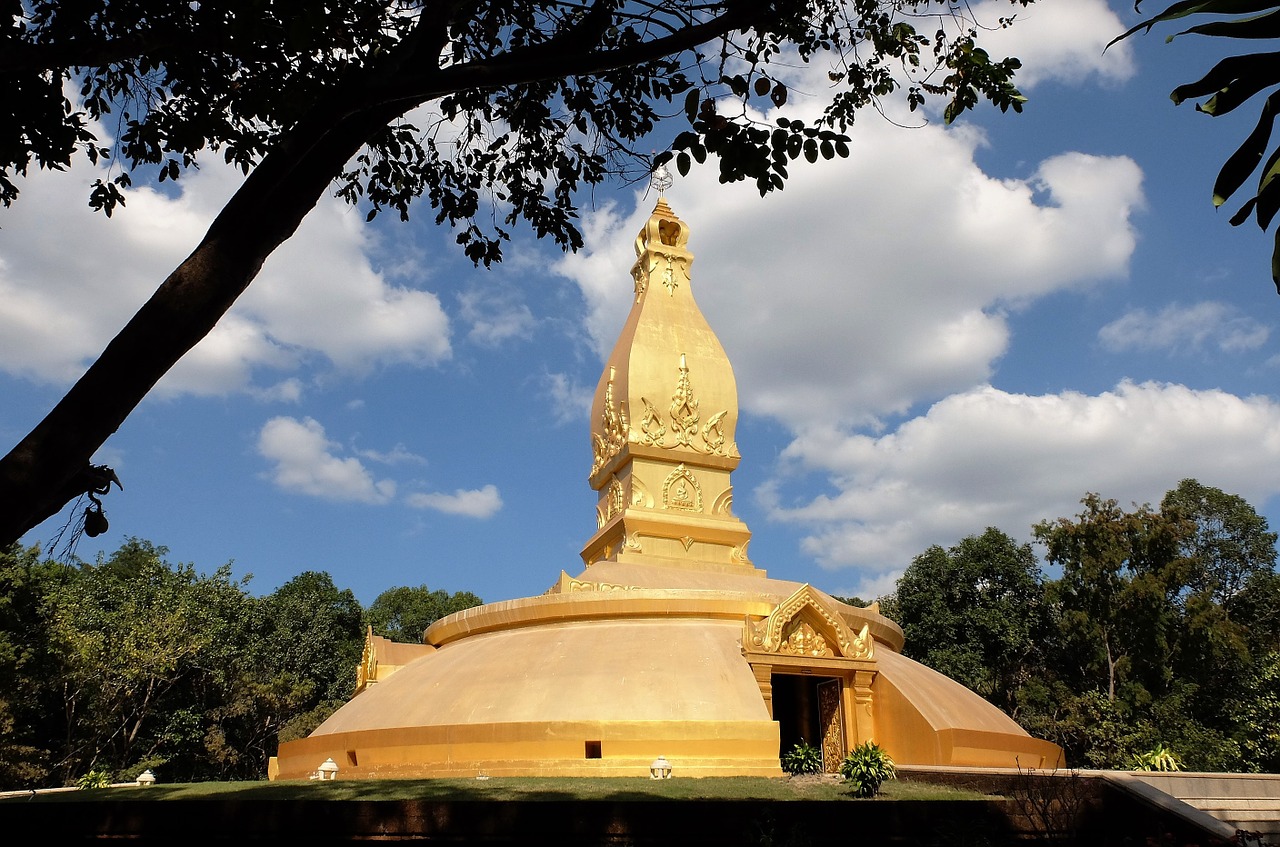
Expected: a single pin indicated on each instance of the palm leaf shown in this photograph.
(1246, 73)
(1257, 26)
(1245, 159)
(1197, 7)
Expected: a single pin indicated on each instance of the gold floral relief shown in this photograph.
(682, 420)
(637, 273)
(616, 499)
(723, 504)
(640, 495)
(652, 430)
(613, 429)
(669, 278)
(806, 606)
(833, 743)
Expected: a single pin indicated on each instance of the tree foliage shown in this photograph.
(1159, 632)
(1230, 544)
(516, 106)
(1229, 84)
(975, 612)
(133, 662)
(404, 613)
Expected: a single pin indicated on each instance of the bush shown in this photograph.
(94, 779)
(1159, 758)
(866, 767)
(802, 758)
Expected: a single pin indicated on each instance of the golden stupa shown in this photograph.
(671, 642)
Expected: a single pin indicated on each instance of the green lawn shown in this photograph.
(514, 788)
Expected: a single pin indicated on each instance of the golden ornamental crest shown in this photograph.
(680, 427)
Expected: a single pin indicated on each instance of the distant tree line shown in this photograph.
(129, 663)
(1158, 634)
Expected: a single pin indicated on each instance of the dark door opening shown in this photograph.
(797, 708)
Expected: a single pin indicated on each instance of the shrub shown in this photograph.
(802, 758)
(1158, 758)
(866, 767)
(94, 779)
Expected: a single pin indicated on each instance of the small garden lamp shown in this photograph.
(146, 778)
(660, 769)
(328, 770)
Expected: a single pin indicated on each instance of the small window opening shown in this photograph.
(593, 750)
(351, 758)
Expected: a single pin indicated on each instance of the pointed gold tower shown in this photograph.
(663, 421)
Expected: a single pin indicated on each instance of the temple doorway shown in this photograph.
(807, 708)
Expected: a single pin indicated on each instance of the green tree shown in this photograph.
(975, 612)
(1122, 574)
(1229, 84)
(1231, 542)
(135, 634)
(28, 668)
(529, 102)
(1257, 715)
(310, 644)
(403, 613)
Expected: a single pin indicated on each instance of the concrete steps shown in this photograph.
(1245, 802)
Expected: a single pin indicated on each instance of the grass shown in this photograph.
(512, 788)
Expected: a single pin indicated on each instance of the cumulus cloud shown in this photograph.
(850, 330)
(476, 503)
(570, 401)
(496, 315)
(986, 457)
(1177, 328)
(305, 462)
(1059, 40)
(317, 297)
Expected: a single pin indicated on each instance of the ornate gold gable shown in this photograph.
(803, 625)
(804, 635)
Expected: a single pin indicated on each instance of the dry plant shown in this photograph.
(1053, 802)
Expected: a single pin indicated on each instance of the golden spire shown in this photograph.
(663, 420)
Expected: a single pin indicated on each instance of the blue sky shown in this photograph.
(955, 328)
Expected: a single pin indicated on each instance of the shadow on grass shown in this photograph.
(545, 789)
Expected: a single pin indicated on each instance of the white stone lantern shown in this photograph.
(660, 769)
(146, 778)
(327, 770)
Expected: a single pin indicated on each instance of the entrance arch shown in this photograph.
(814, 674)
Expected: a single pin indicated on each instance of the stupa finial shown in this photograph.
(661, 179)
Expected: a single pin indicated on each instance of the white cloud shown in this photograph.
(1059, 40)
(305, 463)
(476, 503)
(990, 458)
(1177, 328)
(398, 455)
(496, 315)
(71, 278)
(811, 290)
(570, 401)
